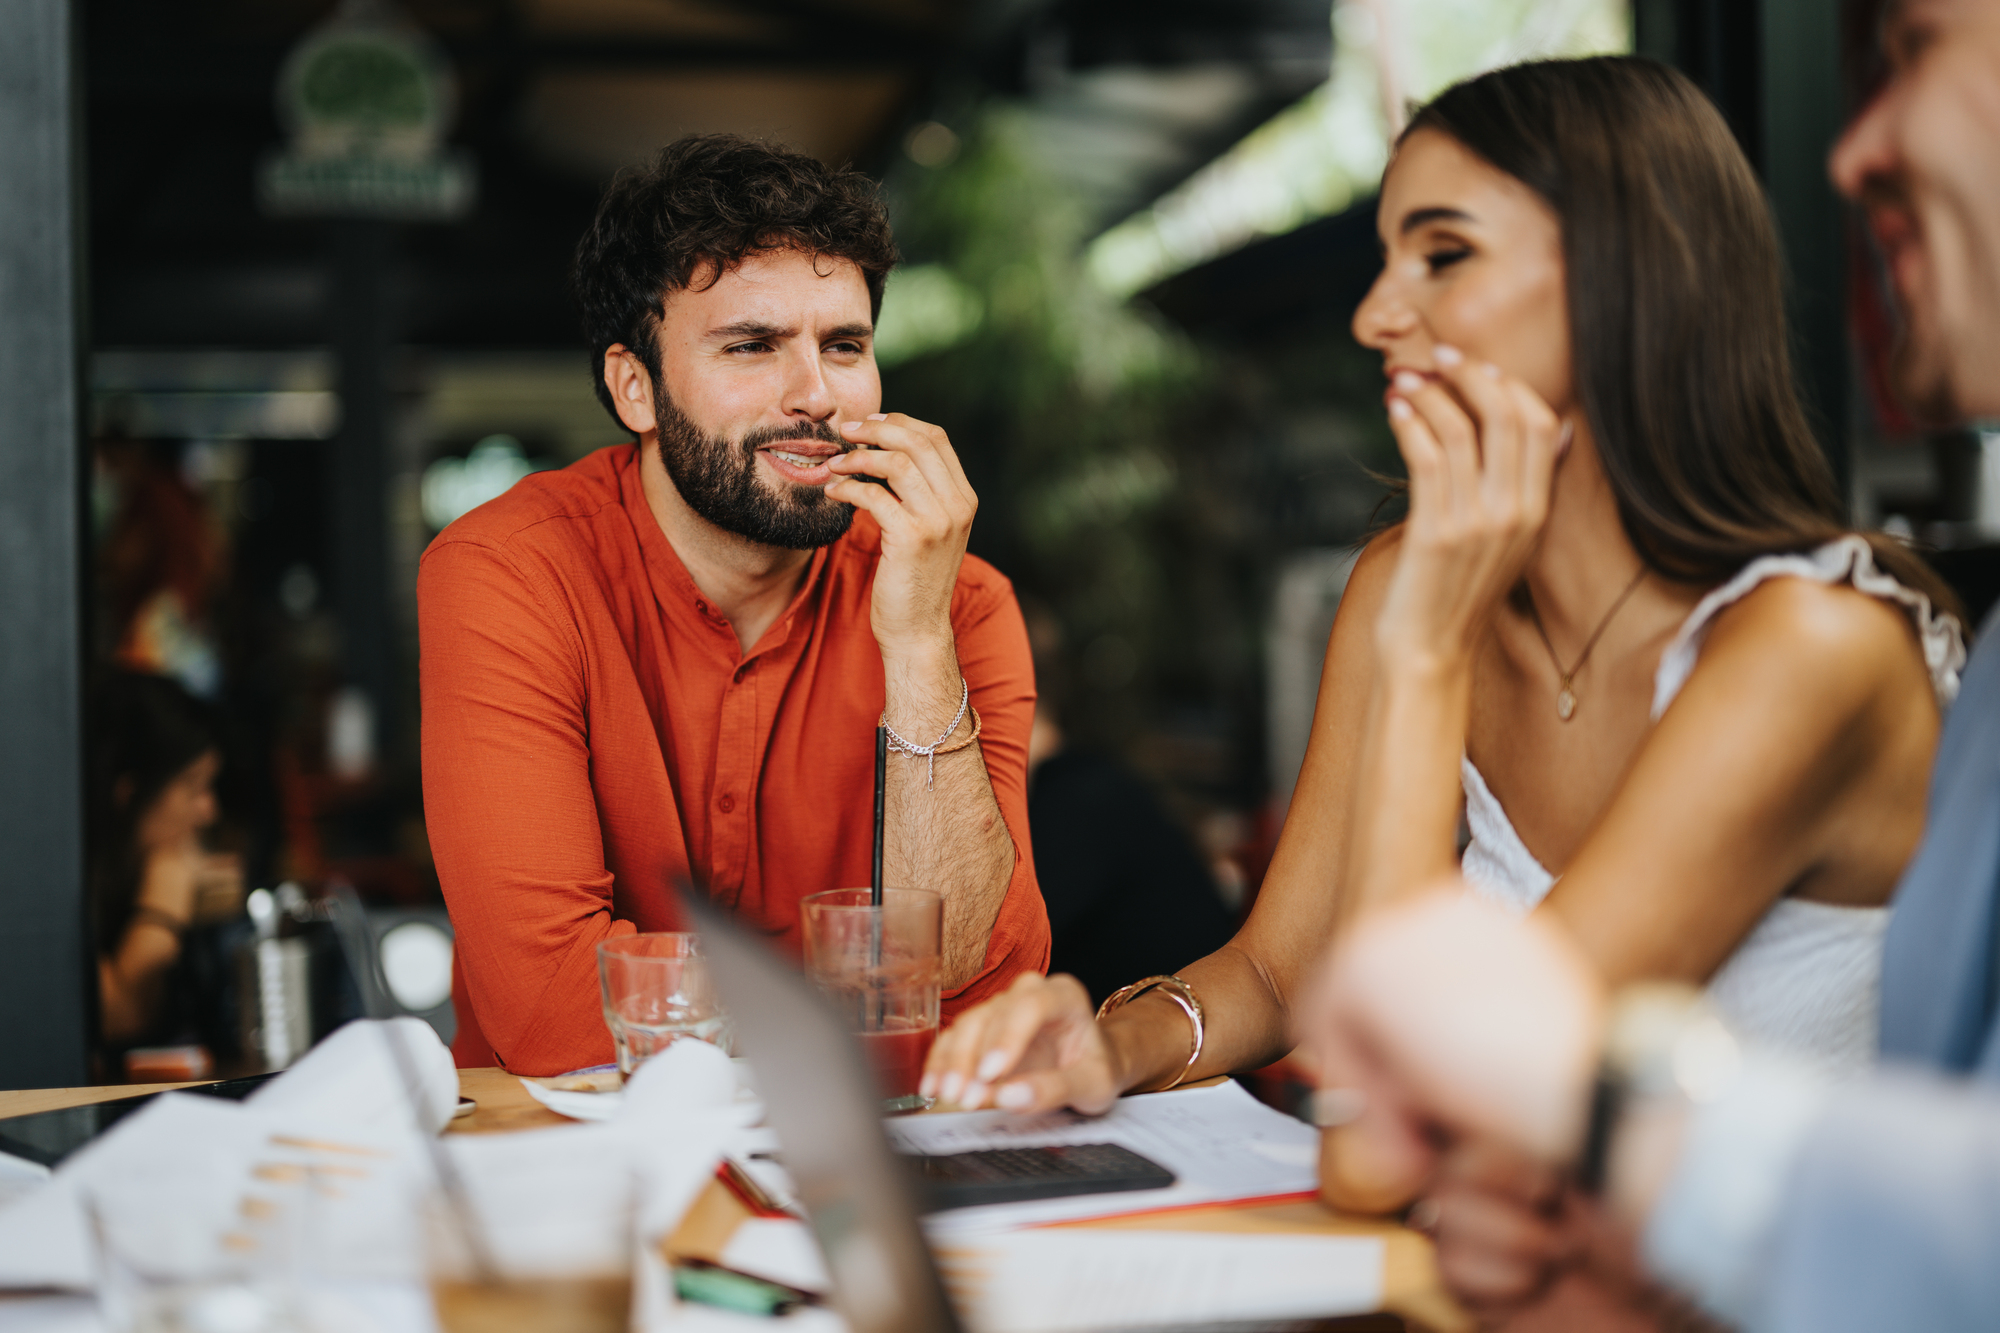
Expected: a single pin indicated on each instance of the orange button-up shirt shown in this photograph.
(592, 729)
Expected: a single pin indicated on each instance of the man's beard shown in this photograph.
(1920, 370)
(1920, 357)
(718, 479)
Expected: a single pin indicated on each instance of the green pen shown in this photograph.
(704, 1283)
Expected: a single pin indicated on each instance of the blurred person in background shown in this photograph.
(1484, 1050)
(160, 560)
(1623, 629)
(152, 787)
(668, 660)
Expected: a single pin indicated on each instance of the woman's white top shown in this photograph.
(1807, 979)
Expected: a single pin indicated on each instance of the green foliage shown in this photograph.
(1063, 400)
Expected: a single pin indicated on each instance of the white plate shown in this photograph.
(578, 1105)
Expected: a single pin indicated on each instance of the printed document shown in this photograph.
(1221, 1143)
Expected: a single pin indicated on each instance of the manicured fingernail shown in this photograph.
(1447, 355)
(954, 1083)
(1014, 1097)
(927, 1085)
(1409, 382)
(974, 1098)
(1399, 409)
(878, 416)
(1492, 371)
(850, 425)
(993, 1066)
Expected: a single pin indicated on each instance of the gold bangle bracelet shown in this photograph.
(1181, 994)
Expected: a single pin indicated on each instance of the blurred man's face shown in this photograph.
(758, 371)
(1923, 160)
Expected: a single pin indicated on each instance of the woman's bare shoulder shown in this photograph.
(1375, 564)
(1834, 641)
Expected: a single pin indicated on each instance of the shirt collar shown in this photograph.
(675, 588)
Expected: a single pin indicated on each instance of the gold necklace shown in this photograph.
(1566, 691)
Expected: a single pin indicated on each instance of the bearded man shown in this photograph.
(669, 659)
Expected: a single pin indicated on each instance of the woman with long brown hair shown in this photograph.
(1623, 629)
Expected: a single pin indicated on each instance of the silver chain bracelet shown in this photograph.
(929, 752)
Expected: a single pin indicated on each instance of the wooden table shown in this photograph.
(1412, 1295)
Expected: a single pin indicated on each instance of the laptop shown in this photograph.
(821, 1099)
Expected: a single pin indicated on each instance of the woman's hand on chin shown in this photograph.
(1481, 448)
(1034, 1047)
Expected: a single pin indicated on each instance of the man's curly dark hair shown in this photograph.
(702, 207)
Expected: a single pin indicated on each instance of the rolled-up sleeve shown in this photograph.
(1891, 1215)
(1715, 1228)
(1802, 1206)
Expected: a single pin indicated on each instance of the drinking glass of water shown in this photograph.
(656, 991)
(880, 967)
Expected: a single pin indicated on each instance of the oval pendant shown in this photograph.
(1565, 705)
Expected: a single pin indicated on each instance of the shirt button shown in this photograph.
(701, 607)
(727, 803)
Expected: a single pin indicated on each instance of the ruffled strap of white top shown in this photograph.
(1847, 559)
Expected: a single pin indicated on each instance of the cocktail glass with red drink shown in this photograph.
(880, 967)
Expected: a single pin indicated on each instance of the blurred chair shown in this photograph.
(1128, 894)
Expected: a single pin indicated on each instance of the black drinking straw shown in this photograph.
(881, 789)
(873, 1002)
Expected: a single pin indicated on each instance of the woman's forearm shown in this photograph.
(1245, 1025)
(1402, 824)
(1407, 799)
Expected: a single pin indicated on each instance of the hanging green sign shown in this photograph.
(367, 98)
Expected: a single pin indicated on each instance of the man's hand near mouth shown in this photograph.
(925, 507)
(905, 474)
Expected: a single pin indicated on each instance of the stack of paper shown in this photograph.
(334, 1146)
(342, 1113)
(1065, 1280)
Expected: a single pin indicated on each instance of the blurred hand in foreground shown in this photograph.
(1505, 1227)
(1033, 1047)
(1515, 1239)
(1440, 1020)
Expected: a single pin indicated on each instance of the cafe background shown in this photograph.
(288, 293)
